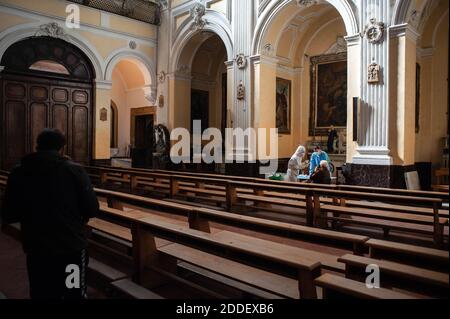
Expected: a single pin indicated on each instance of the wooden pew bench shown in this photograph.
(294, 262)
(138, 292)
(415, 255)
(424, 281)
(386, 220)
(129, 289)
(440, 186)
(199, 218)
(336, 287)
(355, 242)
(251, 280)
(396, 208)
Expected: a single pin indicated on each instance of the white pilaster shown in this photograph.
(243, 31)
(373, 138)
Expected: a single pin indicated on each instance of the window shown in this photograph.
(49, 66)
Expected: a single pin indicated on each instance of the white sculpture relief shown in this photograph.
(241, 91)
(373, 73)
(197, 13)
(374, 31)
(162, 77)
(241, 61)
(51, 30)
(184, 69)
(338, 47)
(132, 45)
(306, 3)
(268, 50)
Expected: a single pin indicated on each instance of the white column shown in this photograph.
(242, 24)
(373, 138)
(243, 31)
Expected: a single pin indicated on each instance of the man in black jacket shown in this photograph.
(53, 199)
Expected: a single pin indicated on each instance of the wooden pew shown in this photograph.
(296, 263)
(422, 280)
(401, 192)
(414, 255)
(336, 287)
(199, 218)
(440, 186)
(382, 219)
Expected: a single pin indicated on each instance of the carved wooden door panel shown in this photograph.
(29, 105)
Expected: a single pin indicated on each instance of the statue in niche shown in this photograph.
(241, 91)
(161, 147)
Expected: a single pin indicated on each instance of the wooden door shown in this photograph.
(31, 104)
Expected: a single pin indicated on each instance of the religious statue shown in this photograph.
(332, 136)
(241, 91)
(161, 147)
(341, 142)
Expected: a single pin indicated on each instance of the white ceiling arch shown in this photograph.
(344, 7)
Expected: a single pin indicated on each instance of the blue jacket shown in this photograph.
(316, 158)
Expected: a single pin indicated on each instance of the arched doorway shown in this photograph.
(201, 85)
(302, 76)
(46, 82)
(134, 110)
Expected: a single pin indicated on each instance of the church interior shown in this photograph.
(361, 84)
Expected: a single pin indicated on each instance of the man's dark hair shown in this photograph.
(317, 147)
(50, 140)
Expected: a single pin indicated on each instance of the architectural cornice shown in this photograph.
(353, 39)
(103, 85)
(403, 30)
(16, 10)
(425, 52)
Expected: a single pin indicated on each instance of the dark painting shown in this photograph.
(329, 93)
(283, 106)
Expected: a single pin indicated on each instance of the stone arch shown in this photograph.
(216, 24)
(20, 32)
(145, 65)
(345, 9)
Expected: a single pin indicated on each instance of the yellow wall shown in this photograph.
(433, 95)
(102, 129)
(265, 82)
(402, 101)
(105, 40)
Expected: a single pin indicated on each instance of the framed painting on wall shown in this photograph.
(328, 93)
(283, 106)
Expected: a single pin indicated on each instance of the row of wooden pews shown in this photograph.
(160, 248)
(407, 211)
(329, 262)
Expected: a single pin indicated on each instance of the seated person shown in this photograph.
(316, 158)
(322, 174)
